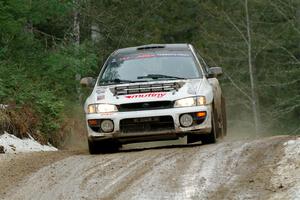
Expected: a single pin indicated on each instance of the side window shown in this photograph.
(202, 62)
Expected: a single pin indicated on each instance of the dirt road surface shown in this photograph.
(267, 168)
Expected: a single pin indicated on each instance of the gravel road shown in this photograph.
(267, 168)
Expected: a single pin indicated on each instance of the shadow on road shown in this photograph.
(132, 149)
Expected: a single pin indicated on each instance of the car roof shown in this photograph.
(171, 47)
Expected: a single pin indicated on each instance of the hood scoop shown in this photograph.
(145, 88)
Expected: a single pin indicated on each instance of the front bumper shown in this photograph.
(116, 117)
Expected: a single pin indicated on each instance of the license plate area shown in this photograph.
(147, 124)
(146, 119)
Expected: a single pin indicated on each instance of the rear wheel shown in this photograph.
(220, 120)
(212, 136)
(224, 117)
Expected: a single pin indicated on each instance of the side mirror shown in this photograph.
(215, 71)
(87, 82)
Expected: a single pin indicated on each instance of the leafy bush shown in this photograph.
(41, 88)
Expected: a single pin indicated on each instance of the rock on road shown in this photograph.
(267, 168)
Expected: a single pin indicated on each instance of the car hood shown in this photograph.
(184, 89)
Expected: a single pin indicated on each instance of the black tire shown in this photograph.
(212, 136)
(104, 146)
(224, 116)
(93, 148)
(194, 138)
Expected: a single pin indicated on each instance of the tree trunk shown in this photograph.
(255, 103)
(76, 24)
(95, 32)
(76, 35)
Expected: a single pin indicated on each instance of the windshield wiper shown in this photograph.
(159, 76)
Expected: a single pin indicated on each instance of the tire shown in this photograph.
(211, 137)
(93, 148)
(224, 116)
(222, 123)
(105, 146)
(194, 138)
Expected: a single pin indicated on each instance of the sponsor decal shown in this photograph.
(173, 54)
(147, 95)
(145, 56)
(142, 56)
(139, 56)
(101, 97)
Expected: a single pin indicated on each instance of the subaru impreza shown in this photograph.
(154, 92)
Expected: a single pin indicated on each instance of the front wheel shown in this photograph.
(93, 148)
(104, 146)
(210, 137)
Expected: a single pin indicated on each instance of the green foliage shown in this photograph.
(50, 108)
(46, 87)
(60, 68)
(38, 68)
(3, 89)
(39, 62)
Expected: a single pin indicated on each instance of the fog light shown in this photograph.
(107, 126)
(93, 122)
(186, 120)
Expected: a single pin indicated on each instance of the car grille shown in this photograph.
(145, 88)
(147, 124)
(145, 106)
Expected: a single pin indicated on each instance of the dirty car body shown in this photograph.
(153, 92)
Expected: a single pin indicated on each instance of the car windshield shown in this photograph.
(150, 65)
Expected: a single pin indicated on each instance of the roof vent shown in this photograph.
(151, 47)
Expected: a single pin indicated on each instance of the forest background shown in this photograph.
(47, 45)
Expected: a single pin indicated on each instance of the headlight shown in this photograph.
(101, 108)
(185, 102)
(201, 101)
(191, 101)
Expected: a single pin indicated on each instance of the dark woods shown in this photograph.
(46, 45)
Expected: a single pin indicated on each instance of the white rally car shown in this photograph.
(154, 92)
